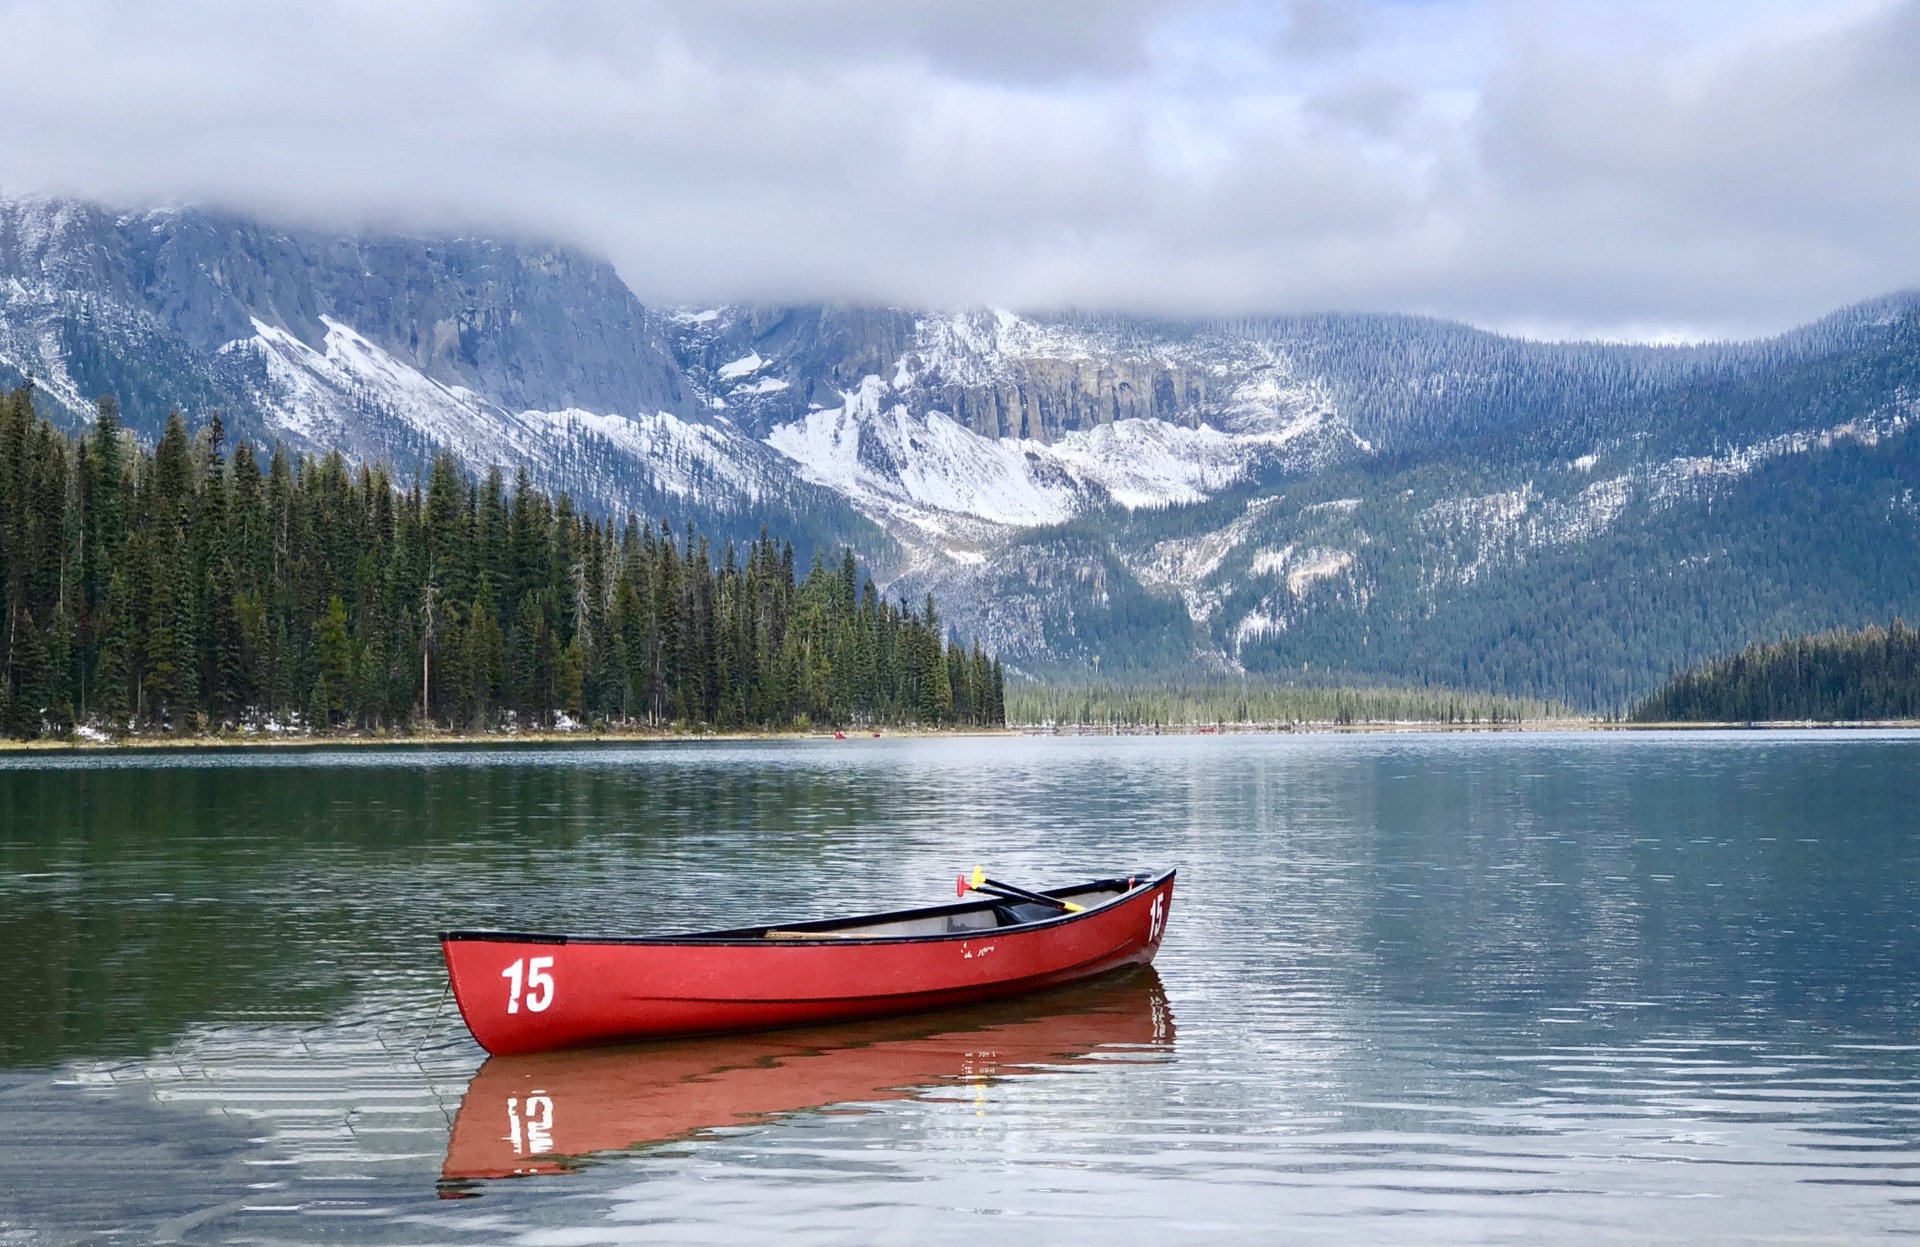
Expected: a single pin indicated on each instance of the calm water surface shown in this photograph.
(1416, 988)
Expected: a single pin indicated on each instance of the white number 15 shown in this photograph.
(539, 984)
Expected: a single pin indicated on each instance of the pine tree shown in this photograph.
(485, 659)
(523, 660)
(334, 668)
(113, 671)
(58, 693)
(33, 678)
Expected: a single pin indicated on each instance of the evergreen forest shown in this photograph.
(1843, 676)
(190, 588)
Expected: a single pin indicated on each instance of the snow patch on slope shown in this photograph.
(1148, 463)
(746, 365)
(892, 462)
(689, 461)
(1683, 478)
(1232, 383)
(46, 245)
(1184, 563)
(911, 444)
(1255, 624)
(1301, 568)
(979, 347)
(352, 394)
(318, 392)
(48, 367)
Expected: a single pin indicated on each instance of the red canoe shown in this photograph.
(546, 1112)
(532, 993)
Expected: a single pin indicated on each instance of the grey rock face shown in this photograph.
(528, 327)
(393, 348)
(819, 350)
(1048, 397)
(964, 366)
(143, 302)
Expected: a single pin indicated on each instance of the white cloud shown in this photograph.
(1706, 168)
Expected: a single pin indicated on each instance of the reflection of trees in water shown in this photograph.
(103, 975)
(139, 899)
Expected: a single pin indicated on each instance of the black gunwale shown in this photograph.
(756, 937)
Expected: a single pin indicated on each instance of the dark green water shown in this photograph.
(1423, 989)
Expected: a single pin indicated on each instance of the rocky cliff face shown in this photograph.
(391, 348)
(995, 373)
(524, 327)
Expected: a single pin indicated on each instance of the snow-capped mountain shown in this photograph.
(1388, 497)
(972, 427)
(959, 431)
(396, 349)
(349, 393)
(1313, 493)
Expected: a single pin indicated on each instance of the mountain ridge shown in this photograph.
(1080, 488)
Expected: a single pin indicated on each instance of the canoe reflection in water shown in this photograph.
(544, 1113)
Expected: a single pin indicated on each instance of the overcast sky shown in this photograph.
(1626, 168)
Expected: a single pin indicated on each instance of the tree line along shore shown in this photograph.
(1848, 676)
(188, 588)
(1256, 702)
(1869, 675)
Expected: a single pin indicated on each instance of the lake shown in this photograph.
(1437, 988)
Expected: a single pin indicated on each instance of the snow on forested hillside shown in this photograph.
(352, 395)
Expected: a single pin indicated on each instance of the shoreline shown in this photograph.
(1515, 725)
(237, 743)
(527, 740)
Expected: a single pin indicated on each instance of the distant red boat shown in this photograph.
(534, 993)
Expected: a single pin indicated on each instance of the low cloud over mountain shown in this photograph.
(1558, 167)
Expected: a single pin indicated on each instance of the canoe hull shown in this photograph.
(522, 993)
